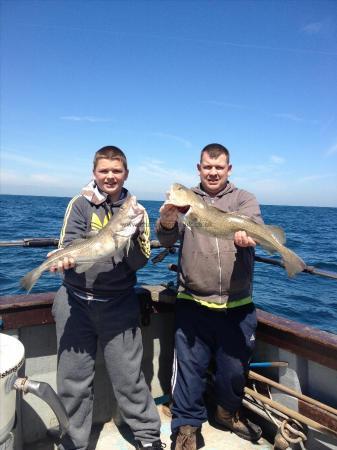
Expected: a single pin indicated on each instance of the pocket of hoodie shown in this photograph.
(241, 276)
(201, 271)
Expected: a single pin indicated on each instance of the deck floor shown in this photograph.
(215, 438)
(111, 437)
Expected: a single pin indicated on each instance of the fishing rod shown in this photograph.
(49, 242)
(276, 262)
(308, 269)
(31, 242)
(53, 242)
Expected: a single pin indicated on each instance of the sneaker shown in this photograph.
(157, 445)
(186, 438)
(240, 425)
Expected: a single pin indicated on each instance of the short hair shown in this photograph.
(214, 151)
(110, 152)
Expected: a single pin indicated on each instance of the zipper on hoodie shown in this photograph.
(219, 262)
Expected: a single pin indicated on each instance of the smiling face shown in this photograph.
(214, 173)
(110, 175)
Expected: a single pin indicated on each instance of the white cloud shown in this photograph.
(314, 177)
(326, 125)
(92, 119)
(43, 179)
(12, 156)
(179, 139)
(277, 159)
(10, 178)
(332, 150)
(227, 104)
(152, 179)
(155, 171)
(255, 171)
(289, 116)
(40, 184)
(312, 28)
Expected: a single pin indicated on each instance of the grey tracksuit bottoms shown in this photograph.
(80, 324)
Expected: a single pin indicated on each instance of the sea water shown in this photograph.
(311, 233)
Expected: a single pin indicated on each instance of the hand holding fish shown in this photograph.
(241, 239)
(62, 264)
(168, 216)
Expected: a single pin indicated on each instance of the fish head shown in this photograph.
(180, 196)
(133, 216)
(136, 211)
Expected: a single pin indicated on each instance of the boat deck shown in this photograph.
(111, 437)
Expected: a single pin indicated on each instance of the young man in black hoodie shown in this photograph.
(100, 305)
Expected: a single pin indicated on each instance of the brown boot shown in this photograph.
(186, 438)
(238, 424)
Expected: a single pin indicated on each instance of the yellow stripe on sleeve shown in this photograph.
(144, 238)
(65, 220)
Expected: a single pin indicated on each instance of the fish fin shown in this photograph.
(292, 262)
(277, 232)
(28, 281)
(83, 267)
(127, 247)
(182, 218)
(90, 235)
(127, 231)
(191, 229)
(54, 252)
(266, 246)
(118, 257)
(79, 240)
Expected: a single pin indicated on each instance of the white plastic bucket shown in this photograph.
(12, 354)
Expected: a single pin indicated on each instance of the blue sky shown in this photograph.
(161, 79)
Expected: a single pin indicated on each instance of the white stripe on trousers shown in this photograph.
(174, 371)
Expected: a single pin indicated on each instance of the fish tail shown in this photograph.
(28, 281)
(293, 263)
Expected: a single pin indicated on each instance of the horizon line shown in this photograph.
(161, 201)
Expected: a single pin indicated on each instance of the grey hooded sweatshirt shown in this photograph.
(212, 271)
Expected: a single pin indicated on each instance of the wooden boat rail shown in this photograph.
(18, 311)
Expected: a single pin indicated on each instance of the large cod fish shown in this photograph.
(112, 240)
(209, 220)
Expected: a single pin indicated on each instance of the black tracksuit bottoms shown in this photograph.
(202, 334)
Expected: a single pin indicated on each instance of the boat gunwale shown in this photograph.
(17, 311)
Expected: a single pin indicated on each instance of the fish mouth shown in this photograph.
(183, 209)
(175, 197)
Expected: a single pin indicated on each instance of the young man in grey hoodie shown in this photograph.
(101, 306)
(215, 314)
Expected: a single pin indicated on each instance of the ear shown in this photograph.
(198, 167)
(127, 174)
(230, 169)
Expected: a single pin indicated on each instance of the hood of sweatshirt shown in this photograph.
(95, 196)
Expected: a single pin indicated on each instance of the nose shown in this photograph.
(110, 174)
(213, 171)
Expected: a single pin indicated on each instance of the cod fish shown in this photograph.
(112, 240)
(209, 220)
